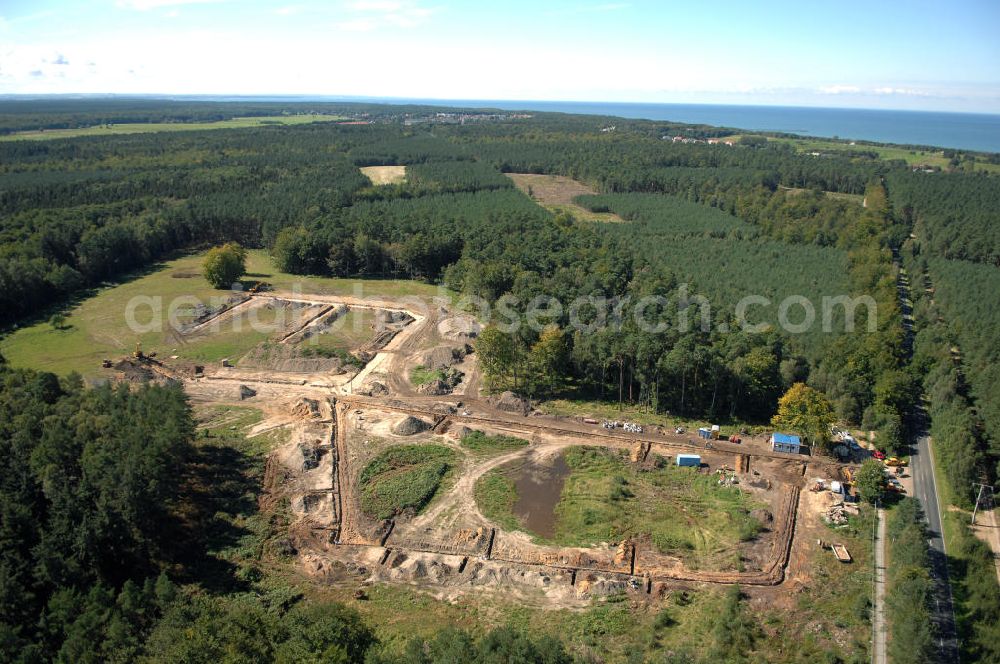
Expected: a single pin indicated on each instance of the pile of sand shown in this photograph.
(409, 426)
(459, 327)
(374, 389)
(306, 408)
(510, 403)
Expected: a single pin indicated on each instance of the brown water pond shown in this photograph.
(539, 485)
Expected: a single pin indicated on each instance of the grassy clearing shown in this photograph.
(495, 495)
(831, 612)
(151, 127)
(482, 444)
(229, 426)
(606, 499)
(421, 375)
(853, 198)
(380, 175)
(222, 509)
(557, 193)
(347, 333)
(608, 410)
(889, 152)
(614, 631)
(97, 327)
(404, 478)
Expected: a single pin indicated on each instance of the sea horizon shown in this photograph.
(956, 130)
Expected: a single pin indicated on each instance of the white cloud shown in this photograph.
(357, 25)
(146, 5)
(840, 90)
(589, 9)
(907, 92)
(374, 14)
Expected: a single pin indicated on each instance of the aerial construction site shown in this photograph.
(397, 469)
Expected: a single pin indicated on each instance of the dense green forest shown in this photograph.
(80, 212)
(91, 564)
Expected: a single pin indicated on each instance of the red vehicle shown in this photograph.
(878, 455)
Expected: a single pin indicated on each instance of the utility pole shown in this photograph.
(979, 496)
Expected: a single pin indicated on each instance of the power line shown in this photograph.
(979, 496)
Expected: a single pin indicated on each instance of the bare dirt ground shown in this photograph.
(987, 529)
(339, 421)
(556, 192)
(385, 174)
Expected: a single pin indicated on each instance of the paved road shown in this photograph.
(925, 490)
(878, 619)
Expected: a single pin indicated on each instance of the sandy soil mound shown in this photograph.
(443, 357)
(283, 357)
(460, 328)
(409, 426)
(374, 389)
(393, 319)
(510, 403)
(133, 371)
(306, 408)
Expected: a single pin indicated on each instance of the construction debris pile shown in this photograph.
(727, 476)
(630, 427)
(838, 513)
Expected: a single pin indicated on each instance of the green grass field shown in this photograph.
(496, 495)
(608, 410)
(150, 127)
(606, 499)
(404, 478)
(345, 334)
(421, 375)
(853, 198)
(481, 444)
(98, 328)
(911, 157)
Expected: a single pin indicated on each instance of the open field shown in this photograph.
(152, 127)
(911, 156)
(609, 410)
(97, 328)
(853, 198)
(606, 498)
(556, 194)
(385, 174)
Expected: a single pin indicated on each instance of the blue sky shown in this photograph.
(911, 54)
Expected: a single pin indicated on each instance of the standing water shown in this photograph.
(539, 486)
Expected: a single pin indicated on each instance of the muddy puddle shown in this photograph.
(539, 486)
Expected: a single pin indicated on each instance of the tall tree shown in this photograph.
(807, 412)
(224, 265)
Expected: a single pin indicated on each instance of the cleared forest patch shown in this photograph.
(385, 174)
(596, 496)
(557, 193)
